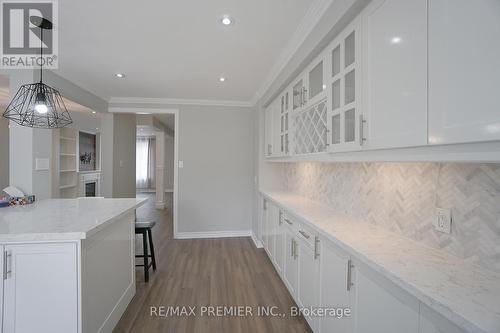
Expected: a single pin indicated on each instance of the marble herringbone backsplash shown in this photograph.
(402, 197)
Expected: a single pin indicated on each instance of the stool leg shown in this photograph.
(145, 253)
(152, 249)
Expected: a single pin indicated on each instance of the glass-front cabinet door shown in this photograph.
(345, 120)
(284, 123)
(316, 75)
(298, 94)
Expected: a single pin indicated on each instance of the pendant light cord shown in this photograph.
(41, 52)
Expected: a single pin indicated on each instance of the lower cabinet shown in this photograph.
(47, 303)
(290, 276)
(308, 293)
(336, 288)
(319, 274)
(378, 310)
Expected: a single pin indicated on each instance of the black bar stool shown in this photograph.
(144, 228)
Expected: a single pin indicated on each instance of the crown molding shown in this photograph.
(178, 101)
(306, 25)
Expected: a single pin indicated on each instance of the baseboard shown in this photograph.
(117, 312)
(160, 205)
(213, 234)
(256, 241)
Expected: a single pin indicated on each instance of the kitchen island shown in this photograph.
(68, 265)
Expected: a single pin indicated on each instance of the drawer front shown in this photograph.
(306, 234)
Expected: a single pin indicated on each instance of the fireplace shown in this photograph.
(90, 189)
(90, 184)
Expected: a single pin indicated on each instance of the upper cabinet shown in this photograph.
(343, 82)
(402, 74)
(395, 73)
(464, 71)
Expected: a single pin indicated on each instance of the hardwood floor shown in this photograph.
(202, 273)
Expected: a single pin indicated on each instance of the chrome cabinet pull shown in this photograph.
(292, 249)
(350, 266)
(280, 219)
(304, 234)
(265, 204)
(316, 247)
(6, 264)
(362, 138)
(288, 221)
(269, 149)
(305, 95)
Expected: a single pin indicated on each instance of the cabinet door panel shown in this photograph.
(308, 281)
(464, 76)
(334, 293)
(290, 276)
(41, 290)
(395, 73)
(280, 245)
(379, 311)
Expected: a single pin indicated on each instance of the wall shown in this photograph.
(124, 140)
(169, 163)
(107, 134)
(216, 183)
(402, 198)
(4, 153)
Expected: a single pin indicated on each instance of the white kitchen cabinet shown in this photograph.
(336, 291)
(395, 73)
(344, 90)
(47, 303)
(285, 123)
(380, 307)
(272, 224)
(263, 228)
(279, 245)
(299, 93)
(464, 71)
(431, 322)
(308, 279)
(273, 129)
(290, 277)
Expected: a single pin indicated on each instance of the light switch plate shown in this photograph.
(181, 164)
(42, 164)
(442, 222)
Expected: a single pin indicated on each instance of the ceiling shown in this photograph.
(173, 48)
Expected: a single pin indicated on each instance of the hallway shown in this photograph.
(206, 272)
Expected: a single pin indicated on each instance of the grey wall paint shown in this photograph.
(4, 153)
(124, 141)
(169, 162)
(216, 183)
(107, 155)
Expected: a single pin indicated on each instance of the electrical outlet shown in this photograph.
(442, 222)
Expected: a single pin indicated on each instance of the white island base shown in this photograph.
(62, 277)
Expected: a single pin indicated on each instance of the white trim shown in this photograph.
(120, 307)
(152, 190)
(305, 27)
(213, 234)
(169, 190)
(140, 110)
(256, 241)
(177, 101)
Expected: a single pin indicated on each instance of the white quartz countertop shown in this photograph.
(62, 219)
(465, 294)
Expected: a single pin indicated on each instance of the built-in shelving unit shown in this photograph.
(68, 163)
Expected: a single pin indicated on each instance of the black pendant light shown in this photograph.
(36, 104)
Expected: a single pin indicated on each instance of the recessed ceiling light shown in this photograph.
(226, 20)
(94, 112)
(396, 40)
(120, 75)
(97, 128)
(222, 79)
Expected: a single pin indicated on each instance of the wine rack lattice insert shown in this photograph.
(310, 128)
